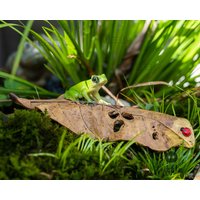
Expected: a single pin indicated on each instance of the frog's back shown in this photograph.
(75, 92)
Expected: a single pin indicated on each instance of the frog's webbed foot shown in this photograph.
(101, 101)
(88, 102)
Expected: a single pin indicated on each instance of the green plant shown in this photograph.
(173, 164)
(169, 51)
(21, 47)
(22, 87)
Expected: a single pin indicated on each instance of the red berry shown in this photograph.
(186, 131)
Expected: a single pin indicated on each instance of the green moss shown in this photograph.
(22, 133)
(26, 133)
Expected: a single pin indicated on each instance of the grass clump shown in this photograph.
(176, 163)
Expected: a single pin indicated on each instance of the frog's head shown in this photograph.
(98, 81)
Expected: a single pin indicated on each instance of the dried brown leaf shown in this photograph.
(155, 130)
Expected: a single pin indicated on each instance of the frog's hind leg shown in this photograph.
(71, 95)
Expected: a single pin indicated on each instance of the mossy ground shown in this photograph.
(27, 132)
(32, 146)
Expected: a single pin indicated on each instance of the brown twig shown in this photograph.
(136, 44)
(117, 101)
(133, 50)
(144, 84)
(131, 53)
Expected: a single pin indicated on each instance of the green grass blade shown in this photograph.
(21, 47)
(60, 144)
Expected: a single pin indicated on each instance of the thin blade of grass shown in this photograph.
(21, 47)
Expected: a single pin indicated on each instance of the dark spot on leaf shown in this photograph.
(127, 116)
(155, 135)
(117, 125)
(113, 114)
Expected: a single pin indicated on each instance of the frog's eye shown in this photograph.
(95, 79)
(186, 131)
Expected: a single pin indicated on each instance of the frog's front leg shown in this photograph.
(97, 98)
(101, 101)
(87, 96)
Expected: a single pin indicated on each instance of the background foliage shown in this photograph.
(127, 52)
